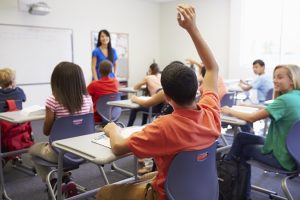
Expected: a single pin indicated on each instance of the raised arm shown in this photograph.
(187, 19)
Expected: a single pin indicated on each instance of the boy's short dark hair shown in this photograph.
(105, 67)
(260, 62)
(180, 83)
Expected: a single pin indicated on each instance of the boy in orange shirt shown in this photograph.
(192, 126)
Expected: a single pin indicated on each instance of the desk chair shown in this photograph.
(67, 127)
(193, 175)
(292, 144)
(109, 113)
(228, 99)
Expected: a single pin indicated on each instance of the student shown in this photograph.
(9, 90)
(69, 97)
(222, 89)
(103, 51)
(105, 85)
(272, 149)
(152, 81)
(263, 82)
(191, 126)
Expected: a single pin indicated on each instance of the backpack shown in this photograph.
(233, 176)
(15, 136)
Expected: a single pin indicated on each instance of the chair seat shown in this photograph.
(268, 168)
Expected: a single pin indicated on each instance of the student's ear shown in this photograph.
(168, 99)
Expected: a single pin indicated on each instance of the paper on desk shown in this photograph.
(102, 139)
(244, 109)
(33, 110)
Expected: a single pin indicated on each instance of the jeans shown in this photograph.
(248, 146)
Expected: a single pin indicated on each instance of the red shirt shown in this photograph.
(182, 130)
(98, 88)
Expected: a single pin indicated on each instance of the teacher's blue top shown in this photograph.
(100, 57)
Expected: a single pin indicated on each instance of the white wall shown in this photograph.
(138, 18)
(213, 22)
(152, 28)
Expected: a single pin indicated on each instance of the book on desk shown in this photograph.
(102, 139)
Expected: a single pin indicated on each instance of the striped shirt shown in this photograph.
(61, 111)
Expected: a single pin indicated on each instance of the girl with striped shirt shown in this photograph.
(69, 97)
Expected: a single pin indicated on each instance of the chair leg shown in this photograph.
(285, 188)
(271, 193)
(121, 171)
(19, 165)
(103, 173)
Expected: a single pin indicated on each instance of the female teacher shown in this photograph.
(103, 51)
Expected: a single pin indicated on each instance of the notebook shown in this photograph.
(102, 139)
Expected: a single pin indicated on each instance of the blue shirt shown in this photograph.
(262, 84)
(100, 57)
(13, 94)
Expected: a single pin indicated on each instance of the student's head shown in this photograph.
(179, 83)
(105, 68)
(68, 85)
(258, 67)
(286, 78)
(154, 69)
(7, 78)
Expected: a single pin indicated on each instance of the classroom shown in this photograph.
(239, 34)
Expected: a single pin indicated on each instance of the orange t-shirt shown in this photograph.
(182, 130)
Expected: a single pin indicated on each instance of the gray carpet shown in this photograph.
(21, 186)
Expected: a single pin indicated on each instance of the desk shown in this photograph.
(128, 90)
(83, 147)
(130, 105)
(14, 117)
(234, 121)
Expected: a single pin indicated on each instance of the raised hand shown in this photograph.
(186, 16)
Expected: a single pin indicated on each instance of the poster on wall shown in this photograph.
(119, 41)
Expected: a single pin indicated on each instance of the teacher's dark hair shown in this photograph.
(109, 48)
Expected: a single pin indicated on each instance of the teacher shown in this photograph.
(103, 51)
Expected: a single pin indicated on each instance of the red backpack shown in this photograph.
(15, 136)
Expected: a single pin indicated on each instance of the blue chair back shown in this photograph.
(72, 126)
(228, 99)
(193, 175)
(269, 95)
(104, 110)
(292, 143)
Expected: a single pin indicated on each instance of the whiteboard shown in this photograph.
(34, 51)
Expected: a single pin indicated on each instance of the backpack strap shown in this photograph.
(11, 105)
